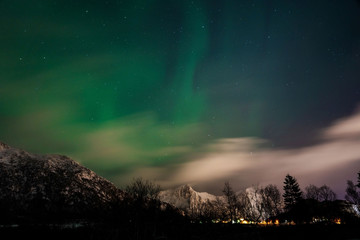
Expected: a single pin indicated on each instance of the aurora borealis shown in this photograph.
(185, 91)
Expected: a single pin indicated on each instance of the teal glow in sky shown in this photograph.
(150, 87)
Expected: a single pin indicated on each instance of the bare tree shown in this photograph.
(231, 201)
(323, 193)
(312, 192)
(141, 189)
(260, 203)
(145, 194)
(272, 200)
(245, 208)
(326, 194)
(352, 195)
(219, 208)
(209, 211)
(257, 211)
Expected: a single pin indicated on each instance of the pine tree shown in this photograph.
(292, 194)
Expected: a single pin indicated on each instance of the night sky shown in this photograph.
(185, 91)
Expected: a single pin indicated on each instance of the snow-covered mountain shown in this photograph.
(191, 201)
(186, 198)
(32, 183)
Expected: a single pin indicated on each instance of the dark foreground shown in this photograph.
(189, 231)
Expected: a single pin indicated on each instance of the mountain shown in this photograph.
(50, 185)
(186, 198)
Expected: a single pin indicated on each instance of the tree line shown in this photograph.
(266, 203)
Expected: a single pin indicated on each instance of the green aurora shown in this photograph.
(119, 85)
(101, 77)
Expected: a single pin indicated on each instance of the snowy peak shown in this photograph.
(185, 188)
(185, 198)
(184, 191)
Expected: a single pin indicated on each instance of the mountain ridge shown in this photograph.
(186, 198)
(51, 184)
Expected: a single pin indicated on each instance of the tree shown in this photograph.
(143, 205)
(312, 192)
(141, 189)
(326, 194)
(245, 207)
(271, 199)
(231, 200)
(292, 194)
(209, 211)
(219, 208)
(259, 203)
(253, 204)
(352, 195)
(323, 193)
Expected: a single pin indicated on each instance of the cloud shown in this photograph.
(344, 128)
(136, 141)
(226, 157)
(328, 162)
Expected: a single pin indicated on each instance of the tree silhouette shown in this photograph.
(245, 207)
(323, 193)
(352, 195)
(141, 189)
(253, 204)
(326, 194)
(292, 194)
(271, 200)
(312, 192)
(231, 200)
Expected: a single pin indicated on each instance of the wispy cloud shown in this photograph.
(328, 162)
(136, 141)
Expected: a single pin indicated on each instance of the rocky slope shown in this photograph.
(51, 185)
(186, 198)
